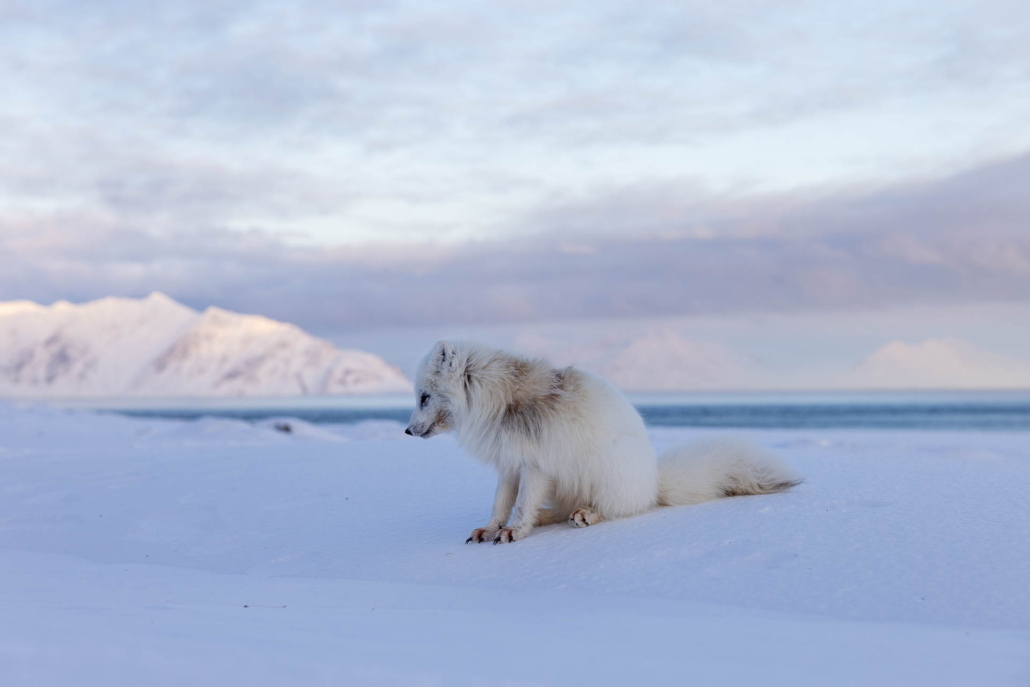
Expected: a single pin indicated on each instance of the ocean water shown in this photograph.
(872, 410)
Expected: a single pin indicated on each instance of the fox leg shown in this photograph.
(504, 499)
(549, 516)
(533, 489)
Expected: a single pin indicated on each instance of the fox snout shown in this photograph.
(418, 431)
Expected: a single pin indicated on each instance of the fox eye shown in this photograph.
(425, 397)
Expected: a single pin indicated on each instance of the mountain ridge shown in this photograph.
(156, 346)
(937, 363)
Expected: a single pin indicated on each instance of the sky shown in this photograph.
(360, 166)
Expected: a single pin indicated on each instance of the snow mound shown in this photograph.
(158, 347)
(299, 429)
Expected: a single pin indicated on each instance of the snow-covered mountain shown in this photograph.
(937, 364)
(157, 347)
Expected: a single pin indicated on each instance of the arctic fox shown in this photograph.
(570, 439)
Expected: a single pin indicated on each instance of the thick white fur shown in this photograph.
(716, 467)
(570, 439)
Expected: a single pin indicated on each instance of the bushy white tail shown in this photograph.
(714, 468)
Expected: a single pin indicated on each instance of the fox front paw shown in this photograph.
(481, 534)
(509, 534)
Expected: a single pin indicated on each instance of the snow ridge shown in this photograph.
(157, 347)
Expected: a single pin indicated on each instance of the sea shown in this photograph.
(943, 410)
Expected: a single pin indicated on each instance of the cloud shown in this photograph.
(958, 240)
(401, 120)
(493, 163)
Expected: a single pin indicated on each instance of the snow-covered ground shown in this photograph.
(219, 552)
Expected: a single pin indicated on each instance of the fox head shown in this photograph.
(434, 392)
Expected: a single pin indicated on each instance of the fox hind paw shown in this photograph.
(583, 517)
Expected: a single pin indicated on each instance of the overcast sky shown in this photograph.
(361, 164)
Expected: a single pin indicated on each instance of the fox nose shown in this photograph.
(408, 431)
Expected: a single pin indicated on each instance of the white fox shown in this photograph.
(570, 439)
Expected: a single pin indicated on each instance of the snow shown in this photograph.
(15, 307)
(268, 358)
(937, 364)
(158, 347)
(223, 552)
(95, 348)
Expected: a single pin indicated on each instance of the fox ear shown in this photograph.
(445, 357)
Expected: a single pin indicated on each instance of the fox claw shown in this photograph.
(507, 534)
(481, 534)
